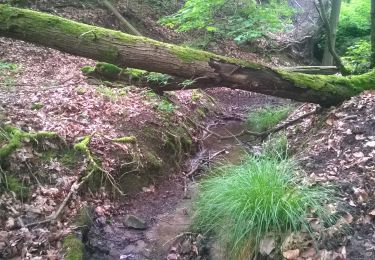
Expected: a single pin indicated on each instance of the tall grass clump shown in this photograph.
(267, 117)
(241, 204)
(276, 145)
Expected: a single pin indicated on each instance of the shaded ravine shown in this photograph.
(168, 210)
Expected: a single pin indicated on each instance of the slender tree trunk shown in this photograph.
(330, 42)
(333, 22)
(128, 26)
(203, 68)
(373, 33)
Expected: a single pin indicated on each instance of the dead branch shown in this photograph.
(76, 185)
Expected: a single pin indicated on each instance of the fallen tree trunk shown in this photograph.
(204, 68)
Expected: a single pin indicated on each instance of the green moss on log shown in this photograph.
(73, 248)
(125, 139)
(88, 70)
(82, 146)
(342, 86)
(108, 70)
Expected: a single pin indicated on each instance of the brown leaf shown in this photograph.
(291, 254)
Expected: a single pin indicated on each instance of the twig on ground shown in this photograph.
(178, 236)
(76, 185)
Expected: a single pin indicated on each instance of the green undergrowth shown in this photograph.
(267, 117)
(14, 184)
(67, 157)
(8, 73)
(73, 248)
(276, 145)
(242, 204)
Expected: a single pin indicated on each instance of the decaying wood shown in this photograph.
(206, 69)
(317, 70)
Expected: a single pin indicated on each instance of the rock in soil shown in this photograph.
(131, 221)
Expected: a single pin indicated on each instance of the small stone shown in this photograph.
(173, 249)
(2, 246)
(3, 236)
(10, 223)
(186, 247)
(131, 221)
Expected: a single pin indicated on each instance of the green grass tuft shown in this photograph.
(267, 117)
(276, 146)
(241, 204)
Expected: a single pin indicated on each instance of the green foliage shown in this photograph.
(36, 106)
(357, 57)
(7, 74)
(354, 23)
(241, 204)
(187, 83)
(14, 184)
(240, 20)
(267, 117)
(158, 78)
(166, 106)
(112, 94)
(276, 146)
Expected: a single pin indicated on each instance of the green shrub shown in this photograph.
(241, 204)
(357, 57)
(354, 24)
(267, 117)
(238, 20)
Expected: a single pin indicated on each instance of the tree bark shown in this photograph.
(331, 34)
(128, 26)
(205, 69)
(333, 22)
(372, 33)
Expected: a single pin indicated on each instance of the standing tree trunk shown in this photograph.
(128, 26)
(373, 33)
(204, 69)
(333, 22)
(330, 42)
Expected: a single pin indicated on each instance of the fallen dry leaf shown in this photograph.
(291, 254)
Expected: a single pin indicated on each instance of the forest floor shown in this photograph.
(44, 89)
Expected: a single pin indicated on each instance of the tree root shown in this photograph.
(83, 147)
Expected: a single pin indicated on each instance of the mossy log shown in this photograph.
(206, 69)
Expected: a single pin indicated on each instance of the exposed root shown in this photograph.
(83, 147)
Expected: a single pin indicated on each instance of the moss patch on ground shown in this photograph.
(16, 136)
(73, 248)
(14, 184)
